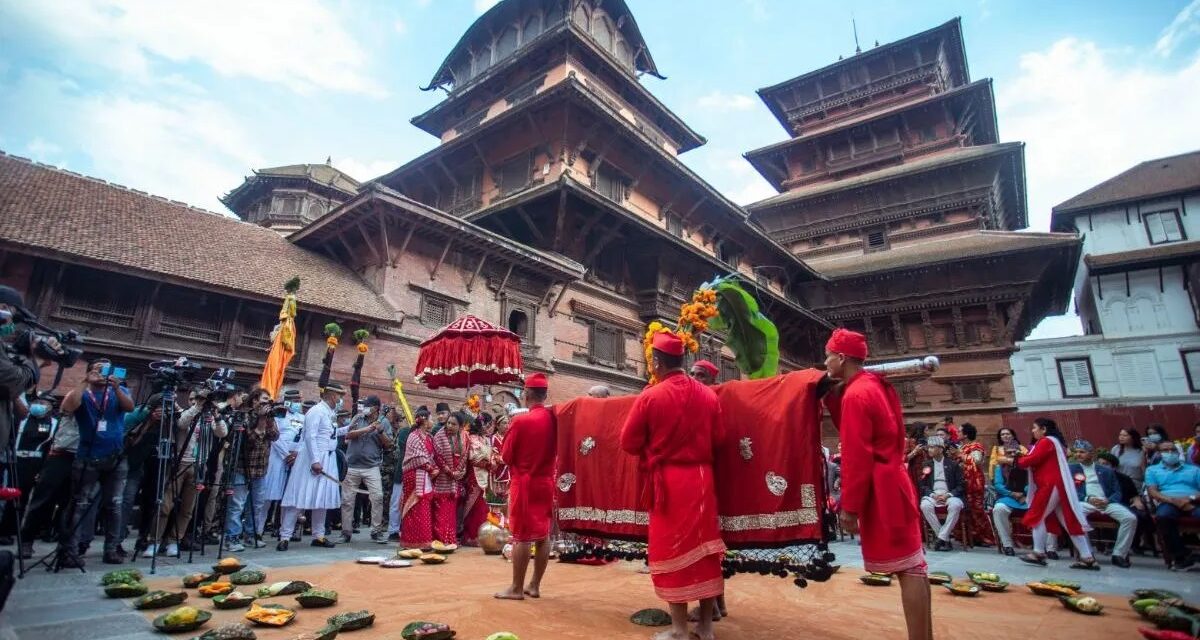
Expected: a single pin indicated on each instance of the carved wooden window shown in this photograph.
(531, 28)
(580, 17)
(461, 70)
(188, 315)
(514, 174)
(971, 391)
(875, 239)
(730, 254)
(1163, 226)
(624, 53)
(256, 329)
(885, 338)
(470, 122)
(729, 370)
(436, 312)
(977, 332)
(98, 297)
(289, 206)
(602, 33)
(928, 134)
(518, 322)
(606, 344)
(839, 150)
(674, 225)
(908, 393)
(506, 43)
(610, 183)
(1075, 377)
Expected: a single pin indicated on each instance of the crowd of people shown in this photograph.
(964, 488)
(91, 463)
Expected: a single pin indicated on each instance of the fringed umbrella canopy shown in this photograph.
(468, 352)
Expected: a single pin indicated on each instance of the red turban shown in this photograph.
(707, 366)
(537, 381)
(668, 343)
(847, 343)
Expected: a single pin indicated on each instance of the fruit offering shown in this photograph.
(235, 600)
(876, 579)
(181, 619)
(444, 549)
(125, 590)
(324, 633)
(314, 598)
(159, 600)
(983, 576)
(409, 554)
(352, 620)
(247, 576)
(1085, 604)
(270, 615)
(427, 631)
(651, 618)
(210, 589)
(286, 588)
(235, 631)
(433, 558)
(122, 576)
(963, 588)
(940, 577)
(193, 580)
(1068, 584)
(503, 635)
(1045, 589)
(228, 565)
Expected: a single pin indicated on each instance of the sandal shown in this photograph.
(1033, 558)
(1086, 565)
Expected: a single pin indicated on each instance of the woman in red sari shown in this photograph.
(1053, 501)
(500, 476)
(420, 470)
(972, 457)
(475, 482)
(915, 454)
(450, 455)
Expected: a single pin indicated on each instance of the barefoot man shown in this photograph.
(877, 496)
(706, 372)
(673, 428)
(530, 449)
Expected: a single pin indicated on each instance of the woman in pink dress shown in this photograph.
(420, 470)
(450, 455)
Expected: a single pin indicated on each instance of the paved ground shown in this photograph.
(69, 605)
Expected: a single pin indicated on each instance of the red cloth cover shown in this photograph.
(469, 351)
(781, 418)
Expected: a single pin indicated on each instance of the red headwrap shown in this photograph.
(668, 343)
(707, 366)
(847, 343)
(536, 381)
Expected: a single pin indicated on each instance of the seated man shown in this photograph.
(1143, 540)
(1099, 492)
(941, 485)
(1176, 488)
(1011, 484)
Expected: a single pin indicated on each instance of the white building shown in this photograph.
(1136, 292)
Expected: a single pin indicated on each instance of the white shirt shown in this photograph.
(1092, 486)
(939, 478)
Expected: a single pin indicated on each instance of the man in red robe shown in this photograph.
(530, 451)
(674, 428)
(877, 497)
(705, 371)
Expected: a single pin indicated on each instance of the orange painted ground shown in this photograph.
(595, 602)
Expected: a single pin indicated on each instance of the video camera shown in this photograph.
(36, 336)
(173, 373)
(218, 386)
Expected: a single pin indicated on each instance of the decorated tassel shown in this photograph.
(332, 332)
(360, 339)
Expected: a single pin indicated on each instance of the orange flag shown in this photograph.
(283, 342)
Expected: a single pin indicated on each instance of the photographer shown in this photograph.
(195, 429)
(368, 438)
(32, 443)
(249, 474)
(99, 406)
(141, 447)
(18, 373)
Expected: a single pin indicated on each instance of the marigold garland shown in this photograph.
(693, 321)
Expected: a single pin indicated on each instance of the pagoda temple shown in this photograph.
(895, 185)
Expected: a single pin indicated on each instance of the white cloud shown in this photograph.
(363, 170)
(400, 26)
(302, 45)
(483, 5)
(1086, 115)
(185, 148)
(1185, 25)
(720, 101)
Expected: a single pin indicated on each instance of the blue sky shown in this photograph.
(183, 99)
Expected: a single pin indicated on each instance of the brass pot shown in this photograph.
(492, 538)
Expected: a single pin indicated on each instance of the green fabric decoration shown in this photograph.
(752, 336)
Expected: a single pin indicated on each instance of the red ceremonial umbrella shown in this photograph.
(467, 352)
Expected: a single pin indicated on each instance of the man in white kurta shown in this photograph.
(313, 483)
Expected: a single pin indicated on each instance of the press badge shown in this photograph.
(102, 426)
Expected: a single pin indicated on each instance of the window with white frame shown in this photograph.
(1191, 366)
(1075, 378)
(1163, 226)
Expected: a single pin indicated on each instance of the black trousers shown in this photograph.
(26, 470)
(52, 491)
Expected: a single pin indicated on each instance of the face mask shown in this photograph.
(39, 410)
(340, 403)
(294, 407)
(1170, 458)
(7, 330)
(1154, 437)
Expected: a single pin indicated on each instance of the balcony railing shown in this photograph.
(924, 73)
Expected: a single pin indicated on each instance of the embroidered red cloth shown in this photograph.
(769, 468)
(469, 351)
